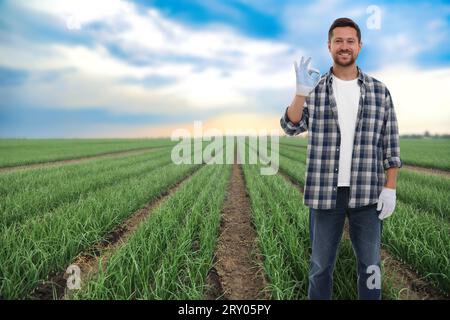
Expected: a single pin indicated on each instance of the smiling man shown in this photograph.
(352, 160)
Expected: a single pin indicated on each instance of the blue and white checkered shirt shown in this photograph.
(376, 144)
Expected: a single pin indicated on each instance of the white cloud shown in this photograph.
(84, 11)
(420, 97)
(224, 66)
(214, 67)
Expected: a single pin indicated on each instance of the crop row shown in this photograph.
(46, 243)
(169, 256)
(26, 151)
(27, 202)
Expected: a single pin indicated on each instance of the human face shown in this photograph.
(344, 46)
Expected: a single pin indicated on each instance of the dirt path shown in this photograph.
(410, 285)
(88, 262)
(235, 274)
(78, 160)
(431, 171)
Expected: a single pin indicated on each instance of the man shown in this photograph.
(352, 139)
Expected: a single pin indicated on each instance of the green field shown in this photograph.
(426, 152)
(50, 216)
(15, 152)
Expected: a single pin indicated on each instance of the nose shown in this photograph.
(345, 46)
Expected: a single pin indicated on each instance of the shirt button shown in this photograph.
(336, 169)
(337, 149)
(334, 189)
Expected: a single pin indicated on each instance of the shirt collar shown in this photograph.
(361, 77)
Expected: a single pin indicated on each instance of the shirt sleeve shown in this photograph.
(391, 143)
(292, 129)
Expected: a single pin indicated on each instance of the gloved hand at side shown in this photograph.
(307, 78)
(386, 203)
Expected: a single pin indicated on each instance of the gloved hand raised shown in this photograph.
(307, 78)
(386, 203)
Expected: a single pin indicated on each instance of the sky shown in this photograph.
(116, 68)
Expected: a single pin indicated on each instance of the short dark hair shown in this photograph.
(344, 22)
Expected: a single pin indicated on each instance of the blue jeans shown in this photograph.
(326, 227)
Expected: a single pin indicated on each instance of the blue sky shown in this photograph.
(116, 68)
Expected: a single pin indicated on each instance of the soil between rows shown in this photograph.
(88, 262)
(237, 272)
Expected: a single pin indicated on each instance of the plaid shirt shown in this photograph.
(375, 148)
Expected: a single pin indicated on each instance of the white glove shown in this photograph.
(307, 78)
(386, 203)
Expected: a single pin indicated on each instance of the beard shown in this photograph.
(344, 61)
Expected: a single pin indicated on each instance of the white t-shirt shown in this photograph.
(346, 94)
